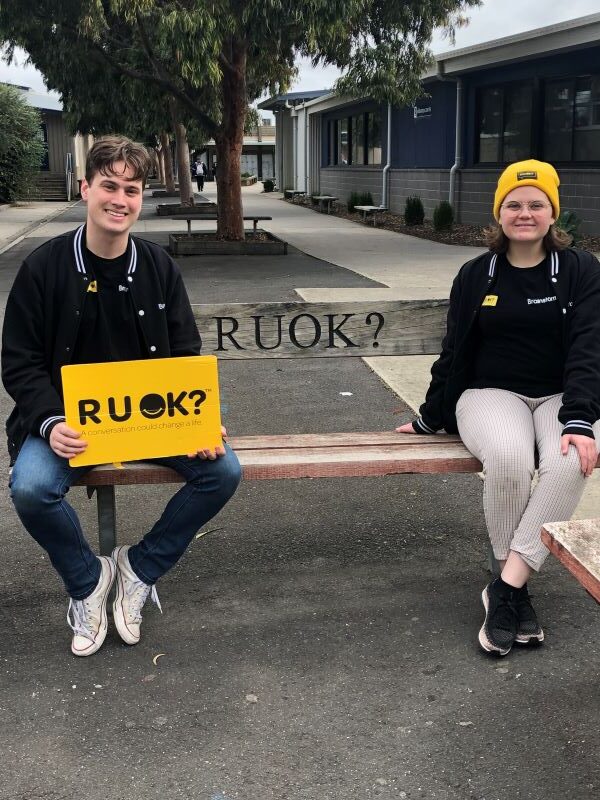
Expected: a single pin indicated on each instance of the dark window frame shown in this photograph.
(536, 132)
(333, 150)
(478, 107)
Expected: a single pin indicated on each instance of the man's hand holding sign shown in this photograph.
(136, 410)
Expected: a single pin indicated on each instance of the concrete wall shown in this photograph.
(341, 181)
(579, 192)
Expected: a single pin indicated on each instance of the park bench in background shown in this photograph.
(372, 210)
(324, 200)
(292, 194)
(191, 215)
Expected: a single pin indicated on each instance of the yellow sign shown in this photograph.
(490, 300)
(135, 410)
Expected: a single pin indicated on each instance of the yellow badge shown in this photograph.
(93, 287)
(490, 300)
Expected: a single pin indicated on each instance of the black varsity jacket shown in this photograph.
(44, 311)
(574, 276)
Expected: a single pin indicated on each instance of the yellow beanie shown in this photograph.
(528, 173)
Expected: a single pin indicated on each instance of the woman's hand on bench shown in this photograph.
(406, 428)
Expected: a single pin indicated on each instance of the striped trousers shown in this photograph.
(505, 431)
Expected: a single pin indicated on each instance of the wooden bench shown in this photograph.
(576, 544)
(213, 218)
(372, 210)
(325, 199)
(307, 330)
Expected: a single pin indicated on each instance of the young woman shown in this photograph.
(519, 379)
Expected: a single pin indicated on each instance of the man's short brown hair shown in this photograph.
(109, 150)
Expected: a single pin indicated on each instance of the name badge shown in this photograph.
(490, 300)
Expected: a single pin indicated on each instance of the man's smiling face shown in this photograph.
(114, 201)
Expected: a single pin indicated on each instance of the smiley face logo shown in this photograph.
(152, 406)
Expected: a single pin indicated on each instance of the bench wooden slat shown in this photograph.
(307, 456)
(576, 544)
(334, 329)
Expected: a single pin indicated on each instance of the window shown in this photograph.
(374, 137)
(354, 140)
(572, 119)
(357, 129)
(343, 152)
(505, 122)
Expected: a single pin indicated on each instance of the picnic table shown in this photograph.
(213, 218)
(576, 544)
(326, 199)
(370, 210)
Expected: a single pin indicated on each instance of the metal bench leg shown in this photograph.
(189, 224)
(492, 564)
(255, 226)
(107, 519)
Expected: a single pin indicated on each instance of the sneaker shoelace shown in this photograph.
(77, 619)
(137, 595)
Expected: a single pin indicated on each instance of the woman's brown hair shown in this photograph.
(498, 241)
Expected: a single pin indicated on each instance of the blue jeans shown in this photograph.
(40, 480)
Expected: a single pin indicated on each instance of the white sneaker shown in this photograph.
(87, 618)
(131, 595)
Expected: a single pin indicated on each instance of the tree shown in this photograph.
(21, 147)
(214, 58)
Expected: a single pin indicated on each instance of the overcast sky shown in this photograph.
(493, 20)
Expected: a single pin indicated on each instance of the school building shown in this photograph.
(532, 95)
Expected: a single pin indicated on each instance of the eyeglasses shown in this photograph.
(534, 207)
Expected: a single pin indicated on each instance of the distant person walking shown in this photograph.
(519, 379)
(201, 172)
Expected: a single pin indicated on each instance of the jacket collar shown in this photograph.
(80, 261)
(554, 265)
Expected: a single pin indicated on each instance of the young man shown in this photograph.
(98, 294)
(200, 174)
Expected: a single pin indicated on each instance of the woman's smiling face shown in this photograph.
(526, 214)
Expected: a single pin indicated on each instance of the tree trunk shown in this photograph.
(228, 144)
(168, 162)
(161, 165)
(186, 192)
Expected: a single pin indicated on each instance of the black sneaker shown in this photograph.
(499, 629)
(529, 630)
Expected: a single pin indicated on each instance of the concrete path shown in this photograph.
(320, 642)
(22, 219)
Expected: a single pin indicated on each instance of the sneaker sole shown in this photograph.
(99, 640)
(533, 639)
(118, 616)
(484, 642)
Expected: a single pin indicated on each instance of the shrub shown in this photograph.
(569, 222)
(246, 174)
(21, 147)
(443, 216)
(414, 213)
(359, 199)
(268, 185)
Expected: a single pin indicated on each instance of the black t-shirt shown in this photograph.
(109, 330)
(520, 334)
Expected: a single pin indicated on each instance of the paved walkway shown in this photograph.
(409, 268)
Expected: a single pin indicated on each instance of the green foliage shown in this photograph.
(569, 222)
(359, 199)
(246, 174)
(414, 213)
(268, 185)
(443, 216)
(214, 59)
(21, 147)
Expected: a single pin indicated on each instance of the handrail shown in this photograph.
(69, 174)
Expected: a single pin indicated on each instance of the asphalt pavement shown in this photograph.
(319, 643)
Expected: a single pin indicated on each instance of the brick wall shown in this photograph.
(342, 181)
